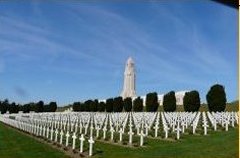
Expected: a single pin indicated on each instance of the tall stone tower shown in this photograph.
(129, 80)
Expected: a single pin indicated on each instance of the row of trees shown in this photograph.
(36, 107)
(117, 104)
(216, 99)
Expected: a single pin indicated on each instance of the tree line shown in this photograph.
(216, 99)
(26, 108)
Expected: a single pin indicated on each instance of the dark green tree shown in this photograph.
(216, 98)
(76, 106)
(39, 106)
(101, 107)
(127, 104)
(169, 102)
(53, 106)
(82, 107)
(109, 105)
(94, 105)
(118, 104)
(26, 108)
(5, 106)
(191, 101)
(138, 105)
(87, 105)
(152, 102)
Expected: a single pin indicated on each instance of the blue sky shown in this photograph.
(73, 51)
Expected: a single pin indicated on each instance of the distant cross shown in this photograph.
(97, 131)
(130, 133)
(91, 142)
(120, 134)
(142, 135)
(112, 133)
(205, 125)
(81, 142)
(178, 129)
(52, 133)
(56, 135)
(104, 132)
(74, 140)
(67, 136)
(156, 127)
(166, 128)
(61, 136)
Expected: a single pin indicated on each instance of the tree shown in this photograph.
(138, 105)
(5, 106)
(53, 106)
(152, 102)
(93, 105)
(127, 104)
(26, 108)
(46, 108)
(109, 105)
(216, 98)
(81, 106)
(39, 106)
(101, 107)
(76, 106)
(13, 108)
(191, 101)
(87, 105)
(118, 104)
(1, 107)
(169, 102)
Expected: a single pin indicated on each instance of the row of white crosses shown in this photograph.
(87, 125)
(50, 133)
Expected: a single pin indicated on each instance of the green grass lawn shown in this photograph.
(216, 144)
(16, 145)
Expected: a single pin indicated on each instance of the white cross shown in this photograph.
(74, 140)
(47, 132)
(104, 132)
(67, 135)
(85, 128)
(56, 135)
(91, 130)
(156, 129)
(205, 125)
(80, 128)
(61, 136)
(97, 129)
(72, 127)
(142, 135)
(52, 133)
(44, 131)
(130, 133)
(166, 128)
(226, 124)
(120, 134)
(91, 142)
(76, 128)
(112, 132)
(81, 142)
(232, 120)
(178, 129)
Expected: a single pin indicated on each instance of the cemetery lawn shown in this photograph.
(13, 144)
(217, 144)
